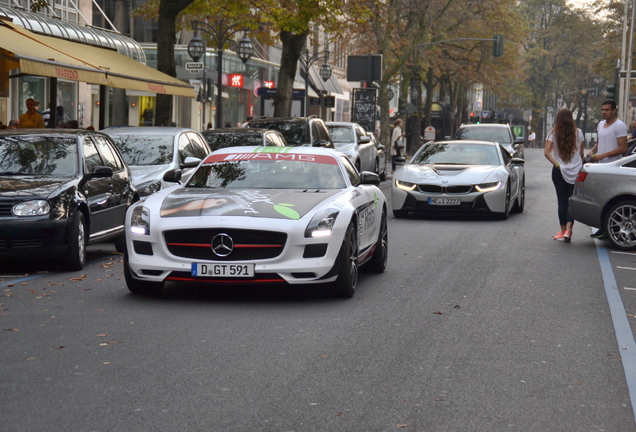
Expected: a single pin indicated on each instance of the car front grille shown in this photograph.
(5, 208)
(246, 244)
(435, 189)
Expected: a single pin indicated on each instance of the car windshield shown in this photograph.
(341, 134)
(38, 155)
(457, 154)
(145, 149)
(222, 140)
(275, 171)
(500, 135)
(295, 133)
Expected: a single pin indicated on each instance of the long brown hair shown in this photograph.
(565, 133)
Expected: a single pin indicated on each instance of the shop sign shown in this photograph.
(236, 80)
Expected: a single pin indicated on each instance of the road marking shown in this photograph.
(20, 279)
(622, 253)
(622, 329)
(633, 289)
(625, 268)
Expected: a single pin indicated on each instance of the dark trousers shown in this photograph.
(564, 191)
(398, 153)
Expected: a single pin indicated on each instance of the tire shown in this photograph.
(521, 202)
(383, 174)
(620, 225)
(380, 257)
(345, 285)
(136, 286)
(400, 214)
(120, 243)
(376, 167)
(76, 253)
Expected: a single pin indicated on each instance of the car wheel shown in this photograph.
(620, 225)
(345, 285)
(383, 174)
(380, 257)
(120, 243)
(76, 253)
(521, 202)
(376, 167)
(400, 214)
(506, 212)
(136, 286)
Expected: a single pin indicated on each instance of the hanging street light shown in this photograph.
(325, 71)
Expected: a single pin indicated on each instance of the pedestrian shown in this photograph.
(531, 138)
(148, 115)
(13, 124)
(209, 126)
(60, 117)
(37, 106)
(397, 142)
(247, 122)
(564, 149)
(46, 114)
(72, 124)
(633, 129)
(611, 144)
(31, 118)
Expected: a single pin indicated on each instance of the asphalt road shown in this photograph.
(477, 325)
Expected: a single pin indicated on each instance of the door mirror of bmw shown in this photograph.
(518, 161)
(100, 172)
(369, 178)
(364, 140)
(173, 176)
(190, 162)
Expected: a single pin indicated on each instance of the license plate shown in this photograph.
(223, 270)
(444, 201)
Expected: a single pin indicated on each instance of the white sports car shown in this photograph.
(260, 215)
(460, 175)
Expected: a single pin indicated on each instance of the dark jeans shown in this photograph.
(564, 191)
(398, 153)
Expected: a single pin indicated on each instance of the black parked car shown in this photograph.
(231, 137)
(60, 190)
(298, 131)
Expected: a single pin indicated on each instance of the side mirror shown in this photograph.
(322, 143)
(100, 172)
(381, 147)
(364, 140)
(173, 176)
(517, 161)
(190, 162)
(369, 178)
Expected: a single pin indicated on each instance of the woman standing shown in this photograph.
(564, 149)
(397, 141)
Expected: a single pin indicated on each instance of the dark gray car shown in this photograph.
(605, 197)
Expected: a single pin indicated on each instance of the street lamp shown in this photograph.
(221, 33)
(325, 70)
(196, 50)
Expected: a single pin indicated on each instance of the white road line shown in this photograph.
(623, 253)
(622, 329)
(625, 268)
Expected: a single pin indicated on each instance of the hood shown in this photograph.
(26, 186)
(145, 173)
(461, 174)
(268, 203)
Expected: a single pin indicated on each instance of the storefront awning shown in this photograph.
(41, 55)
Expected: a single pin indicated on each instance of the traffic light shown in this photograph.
(210, 92)
(472, 116)
(402, 106)
(497, 46)
(610, 91)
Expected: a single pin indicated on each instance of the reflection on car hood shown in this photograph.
(347, 148)
(460, 174)
(268, 203)
(15, 186)
(144, 173)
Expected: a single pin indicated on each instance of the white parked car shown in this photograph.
(260, 215)
(352, 140)
(153, 152)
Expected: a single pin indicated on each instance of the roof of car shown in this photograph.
(284, 150)
(284, 119)
(246, 131)
(44, 131)
(148, 130)
(503, 125)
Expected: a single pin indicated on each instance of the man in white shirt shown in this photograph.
(611, 144)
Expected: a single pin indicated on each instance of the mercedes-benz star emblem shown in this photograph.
(222, 245)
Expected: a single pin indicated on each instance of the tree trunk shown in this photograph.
(166, 36)
(293, 45)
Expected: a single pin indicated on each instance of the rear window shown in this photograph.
(295, 133)
(38, 155)
(341, 134)
(222, 140)
(145, 149)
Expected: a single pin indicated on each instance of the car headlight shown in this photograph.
(140, 221)
(32, 208)
(149, 188)
(488, 187)
(407, 186)
(322, 223)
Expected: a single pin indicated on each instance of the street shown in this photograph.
(476, 325)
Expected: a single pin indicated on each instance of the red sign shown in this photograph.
(236, 80)
(268, 84)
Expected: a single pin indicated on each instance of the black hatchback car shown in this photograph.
(61, 190)
(230, 137)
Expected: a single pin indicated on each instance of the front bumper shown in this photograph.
(416, 200)
(301, 260)
(31, 237)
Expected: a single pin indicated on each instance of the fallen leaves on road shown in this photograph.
(403, 425)
(108, 343)
(78, 279)
(439, 313)
(11, 329)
